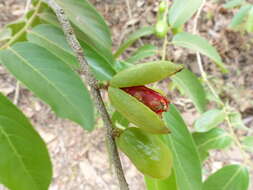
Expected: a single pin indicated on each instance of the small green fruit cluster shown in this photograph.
(162, 27)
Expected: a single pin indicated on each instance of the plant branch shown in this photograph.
(195, 25)
(16, 96)
(95, 92)
(28, 2)
(129, 9)
(165, 41)
(199, 61)
(245, 156)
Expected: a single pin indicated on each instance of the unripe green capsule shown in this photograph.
(161, 28)
(136, 112)
(147, 152)
(146, 73)
(162, 6)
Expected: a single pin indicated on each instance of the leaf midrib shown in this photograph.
(185, 44)
(176, 18)
(212, 139)
(51, 42)
(232, 177)
(15, 151)
(179, 165)
(43, 76)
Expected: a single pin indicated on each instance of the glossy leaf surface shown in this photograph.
(142, 52)
(140, 74)
(214, 139)
(164, 184)
(192, 87)
(186, 162)
(199, 44)
(53, 39)
(231, 177)
(136, 112)
(240, 16)
(209, 120)
(147, 152)
(25, 162)
(51, 80)
(91, 25)
(182, 10)
(249, 22)
(118, 118)
(247, 143)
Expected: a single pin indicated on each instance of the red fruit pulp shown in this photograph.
(149, 97)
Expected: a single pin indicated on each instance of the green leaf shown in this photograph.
(5, 34)
(233, 3)
(119, 118)
(145, 31)
(91, 25)
(231, 177)
(15, 27)
(186, 161)
(122, 65)
(48, 17)
(140, 74)
(203, 155)
(51, 80)
(199, 44)
(32, 15)
(236, 120)
(53, 39)
(143, 52)
(103, 70)
(239, 16)
(182, 11)
(105, 54)
(165, 184)
(214, 139)
(136, 112)
(192, 87)
(26, 163)
(209, 120)
(249, 22)
(247, 143)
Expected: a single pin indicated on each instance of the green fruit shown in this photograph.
(147, 152)
(162, 6)
(136, 112)
(161, 28)
(145, 73)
